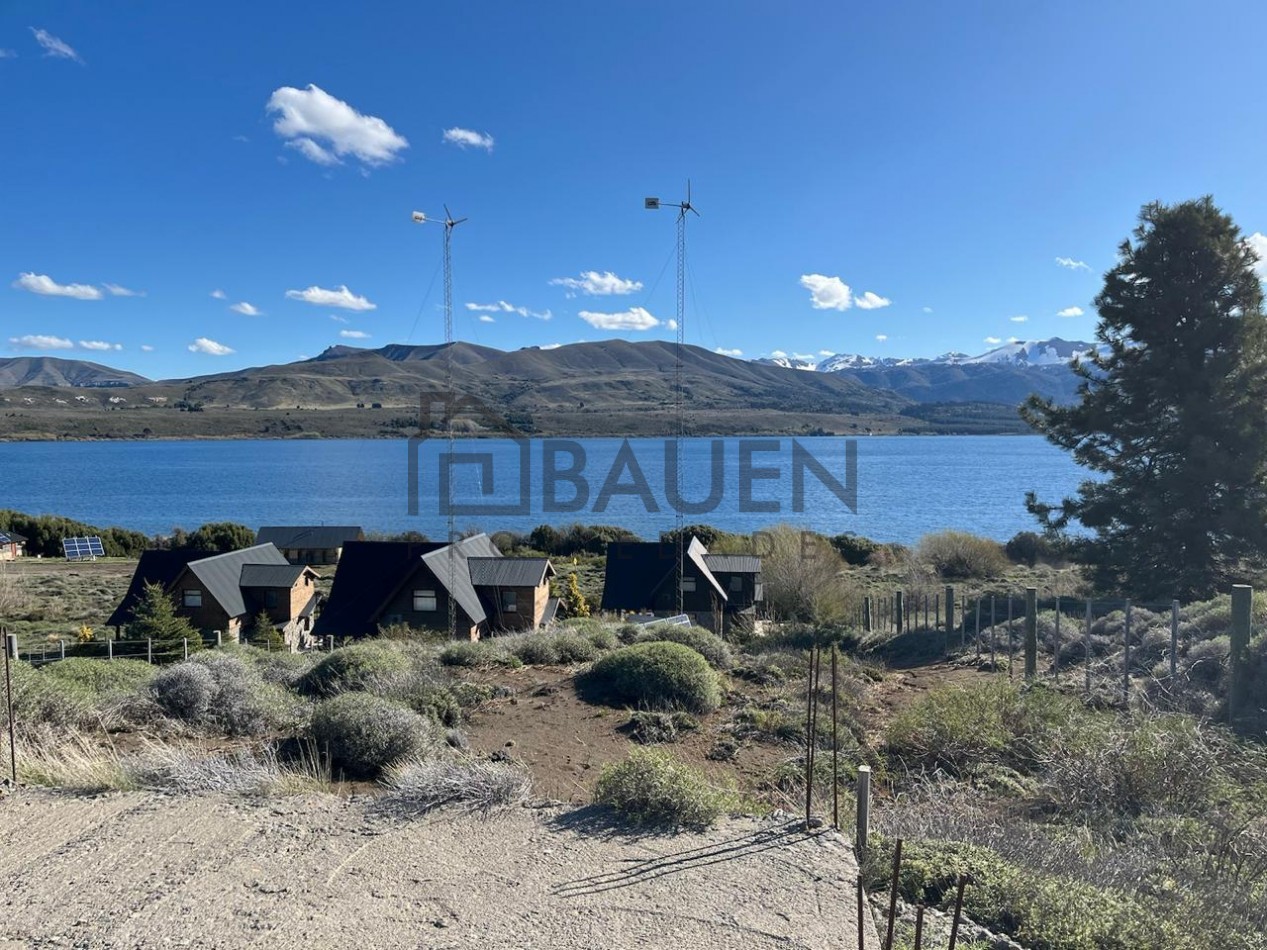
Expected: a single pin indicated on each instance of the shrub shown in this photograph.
(855, 549)
(961, 729)
(652, 727)
(603, 638)
(221, 691)
(708, 645)
(39, 699)
(366, 733)
(957, 554)
(478, 653)
(657, 676)
(350, 668)
(652, 787)
(426, 783)
(99, 678)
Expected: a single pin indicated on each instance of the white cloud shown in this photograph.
(116, 291)
(100, 346)
(1258, 244)
(777, 354)
(338, 319)
(503, 307)
(635, 318)
(1069, 312)
(1014, 339)
(1019, 318)
(43, 284)
(146, 348)
(210, 347)
(802, 356)
(8, 54)
(218, 294)
(485, 318)
(593, 284)
(332, 298)
(881, 337)
(465, 138)
(725, 352)
(827, 293)
(671, 324)
(993, 340)
(57, 48)
(1071, 264)
(826, 353)
(870, 301)
(354, 334)
(40, 341)
(549, 346)
(928, 309)
(246, 309)
(325, 129)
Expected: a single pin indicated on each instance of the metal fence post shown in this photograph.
(1126, 655)
(109, 648)
(1056, 654)
(1174, 637)
(863, 824)
(978, 638)
(1031, 632)
(1242, 619)
(1086, 658)
(1011, 638)
(10, 656)
(993, 634)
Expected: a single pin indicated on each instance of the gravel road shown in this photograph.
(138, 870)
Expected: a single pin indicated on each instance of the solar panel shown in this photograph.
(83, 549)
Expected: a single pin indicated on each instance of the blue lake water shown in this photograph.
(906, 486)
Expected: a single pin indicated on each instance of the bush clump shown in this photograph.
(220, 691)
(101, 679)
(652, 727)
(958, 555)
(426, 783)
(651, 787)
(366, 733)
(351, 668)
(657, 675)
(708, 645)
(474, 653)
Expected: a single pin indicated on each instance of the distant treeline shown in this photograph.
(44, 534)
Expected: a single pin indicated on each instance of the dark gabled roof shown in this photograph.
(221, 574)
(154, 567)
(313, 537)
(11, 537)
(636, 570)
(733, 563)
(271, 575)
(510, 571)
(369, 571)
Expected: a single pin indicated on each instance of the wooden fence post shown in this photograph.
(1011, 638)
(978, 638)
(1242, 618)
(10, 657)
(109, 648)
(1031, 632)
(61, 649)
(866, 614)
(899, 610)
(1056, 655)
(11, 646)
(149, 650)
(950, 614)
(992, 633)
(185, 644)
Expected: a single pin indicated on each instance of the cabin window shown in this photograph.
(688, 585)
(424, 601)
(193, 598)
(736, 584)
(270, 598)
(510, 600)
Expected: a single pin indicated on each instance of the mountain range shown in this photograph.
(582, 388)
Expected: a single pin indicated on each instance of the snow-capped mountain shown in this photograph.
(1053, 352)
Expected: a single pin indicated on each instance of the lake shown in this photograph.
(906, 486)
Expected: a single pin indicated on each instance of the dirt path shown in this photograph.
(139, 870)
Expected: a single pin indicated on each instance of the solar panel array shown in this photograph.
(82, 549)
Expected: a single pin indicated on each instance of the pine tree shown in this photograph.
(1171, 414)
(263, 633)
(154, 618)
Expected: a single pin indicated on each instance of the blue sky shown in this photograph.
(936, 159)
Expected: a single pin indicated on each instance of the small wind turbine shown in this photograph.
(449, 224)
(655, 204)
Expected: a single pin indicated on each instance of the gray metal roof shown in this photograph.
(698, 553)
(271, 575)
(221, 574)
(11, 537)
(509, 571)
(733, 563)
(449, 567)
(314, 537)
